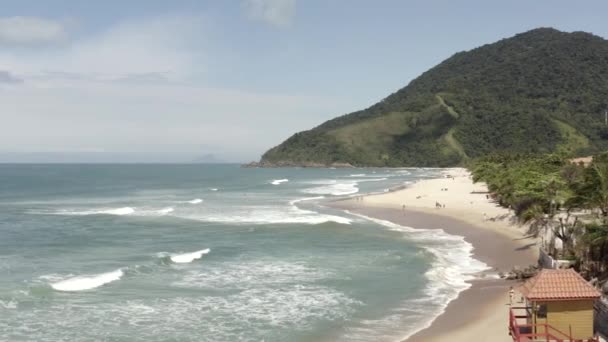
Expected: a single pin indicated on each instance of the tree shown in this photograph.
(592, 192)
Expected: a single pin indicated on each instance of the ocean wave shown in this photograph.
(76, 212)
(333, 188)
(123, 211)
(10, 304)
(263, 299)
(253, 314)
(279, 213)
(452, 268)
(188, 257)
(214, 189)
(293, 202)
(267, 215)
(165, 211)
(119, 211)
(195, 201)
(81, 283)
(279, 181)
(246, 274)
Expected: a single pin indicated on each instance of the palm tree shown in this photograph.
(592, 192)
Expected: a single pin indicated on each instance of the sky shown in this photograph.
(182, 81)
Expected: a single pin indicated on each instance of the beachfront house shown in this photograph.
(558, 305)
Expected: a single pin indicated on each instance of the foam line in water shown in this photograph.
(119, 211)
(333, 188)
(82, 283)
(287, 213)
(195, 201)
(189, 257)
(279, 181)
(293, 202)
(166, 211)
(11, 304)
(70, 212)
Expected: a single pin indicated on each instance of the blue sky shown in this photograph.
(174, 80)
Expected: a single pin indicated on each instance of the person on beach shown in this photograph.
(511, 295)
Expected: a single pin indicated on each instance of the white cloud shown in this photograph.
(152, 49)
(278, 13)
(128, 88)
(30, 30)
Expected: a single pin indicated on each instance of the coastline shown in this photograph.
(480, 312)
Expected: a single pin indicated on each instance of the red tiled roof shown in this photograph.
(558, 285)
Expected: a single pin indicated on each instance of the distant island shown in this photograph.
(537, 92)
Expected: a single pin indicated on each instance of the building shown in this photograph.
(558, 306)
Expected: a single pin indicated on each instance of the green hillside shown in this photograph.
(539, 91)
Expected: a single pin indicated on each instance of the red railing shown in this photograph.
(537, 332)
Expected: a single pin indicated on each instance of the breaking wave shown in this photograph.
(453, 266)
(81, 283)
(266, 214)
(333, 188)
(165, 211)
(279, 181)
(117, 212)
(188, 257)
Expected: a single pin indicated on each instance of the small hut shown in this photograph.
(559, 305)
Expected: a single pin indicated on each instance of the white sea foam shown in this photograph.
(254, 299)
(340, 187)
(119, 211)
(453, 266)
(358, 175)
(214, 189)
(285, 213)
(165, 211)
(333, 188)
(293, 202)
(253, 314)
(10, 304)
(195, 201)
(188, 257)
(79, 212)
(266, 215)
(82, 283)
(279, 181)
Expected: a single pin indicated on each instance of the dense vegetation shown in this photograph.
(539, 91)
(558, 199)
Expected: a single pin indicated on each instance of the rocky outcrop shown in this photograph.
(517, 273)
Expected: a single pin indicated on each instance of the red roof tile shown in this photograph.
(558, 285)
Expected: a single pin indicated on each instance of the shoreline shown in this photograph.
(480, 312)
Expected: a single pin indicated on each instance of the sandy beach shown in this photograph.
(460, 207)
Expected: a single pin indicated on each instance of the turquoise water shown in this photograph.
(213, 253)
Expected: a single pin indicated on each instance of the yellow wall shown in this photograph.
(575, 314)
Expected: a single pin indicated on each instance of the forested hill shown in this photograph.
(539, 91)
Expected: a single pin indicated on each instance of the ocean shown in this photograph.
(215, 253)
